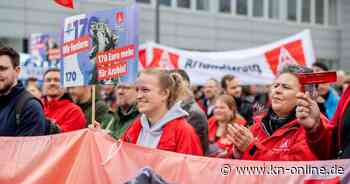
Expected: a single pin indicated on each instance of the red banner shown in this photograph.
(89, 156)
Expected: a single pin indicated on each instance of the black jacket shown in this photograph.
(32, 116)
(245, 108)
(198, 120)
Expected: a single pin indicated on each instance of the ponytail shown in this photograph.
(178, 89)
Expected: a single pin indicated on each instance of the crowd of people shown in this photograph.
(163, 110)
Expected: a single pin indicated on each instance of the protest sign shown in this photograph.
(100, 47)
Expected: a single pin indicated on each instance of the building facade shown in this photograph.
(206, 25)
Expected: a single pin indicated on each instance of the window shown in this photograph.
(225, 6)
(274, 7)
(258, 8)
(332, 12)
(3, 42)
(242, 7)
(143, 1)
(305, 12)
(202, 4)
(165, 2)
(319, 6)
(184, 3)
(292, 10)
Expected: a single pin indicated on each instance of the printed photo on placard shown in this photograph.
(100, 47)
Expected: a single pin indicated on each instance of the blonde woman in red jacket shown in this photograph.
(277, 135)
(162, 124)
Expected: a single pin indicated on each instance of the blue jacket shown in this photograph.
(331, 103)
(32, 116)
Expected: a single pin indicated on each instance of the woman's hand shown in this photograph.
(95, 124)
(307, 112)
(240, 136)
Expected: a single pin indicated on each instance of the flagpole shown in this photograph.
(93, 102)
(157, 39)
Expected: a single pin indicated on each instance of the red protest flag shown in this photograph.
(66, 3)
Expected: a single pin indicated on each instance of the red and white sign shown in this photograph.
(252, 66)
(113, 63)
(290, 53)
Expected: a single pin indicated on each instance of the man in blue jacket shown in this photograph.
(32, 118)
(329, 98)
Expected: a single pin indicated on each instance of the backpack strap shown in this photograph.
(22, 99)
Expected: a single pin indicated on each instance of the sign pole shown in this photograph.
(93, 100)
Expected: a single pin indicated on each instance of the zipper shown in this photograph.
(272, 136)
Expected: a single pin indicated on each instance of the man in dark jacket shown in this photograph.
(231, 86)
(32, 118)
(196, 117)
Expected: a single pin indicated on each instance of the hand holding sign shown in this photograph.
(307, 112)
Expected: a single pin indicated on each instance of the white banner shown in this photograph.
(252, 66)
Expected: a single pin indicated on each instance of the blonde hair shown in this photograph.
(172, 82)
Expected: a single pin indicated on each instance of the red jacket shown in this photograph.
(65, 114)
(288, 143)
(178, 136)
(221, 147)
(213, 126)
(322, 141)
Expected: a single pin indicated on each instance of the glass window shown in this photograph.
(274, 8)
(292, 10)
(258, 8)
(332, 12)
(242, 7)
(165, 2)
(306, 9)
(225, 6)
(202, 4)
(184, 3)
(143, 1)
(319, 6)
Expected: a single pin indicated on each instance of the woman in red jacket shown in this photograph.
(162, 124)
(225, 113)
(277, 135)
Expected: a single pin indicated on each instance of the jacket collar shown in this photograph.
(56, 103)
(15, 91)
(272, 123)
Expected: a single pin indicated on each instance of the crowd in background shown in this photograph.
(163, 110)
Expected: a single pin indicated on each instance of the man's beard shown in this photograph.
(6, 87)
(54, 95)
